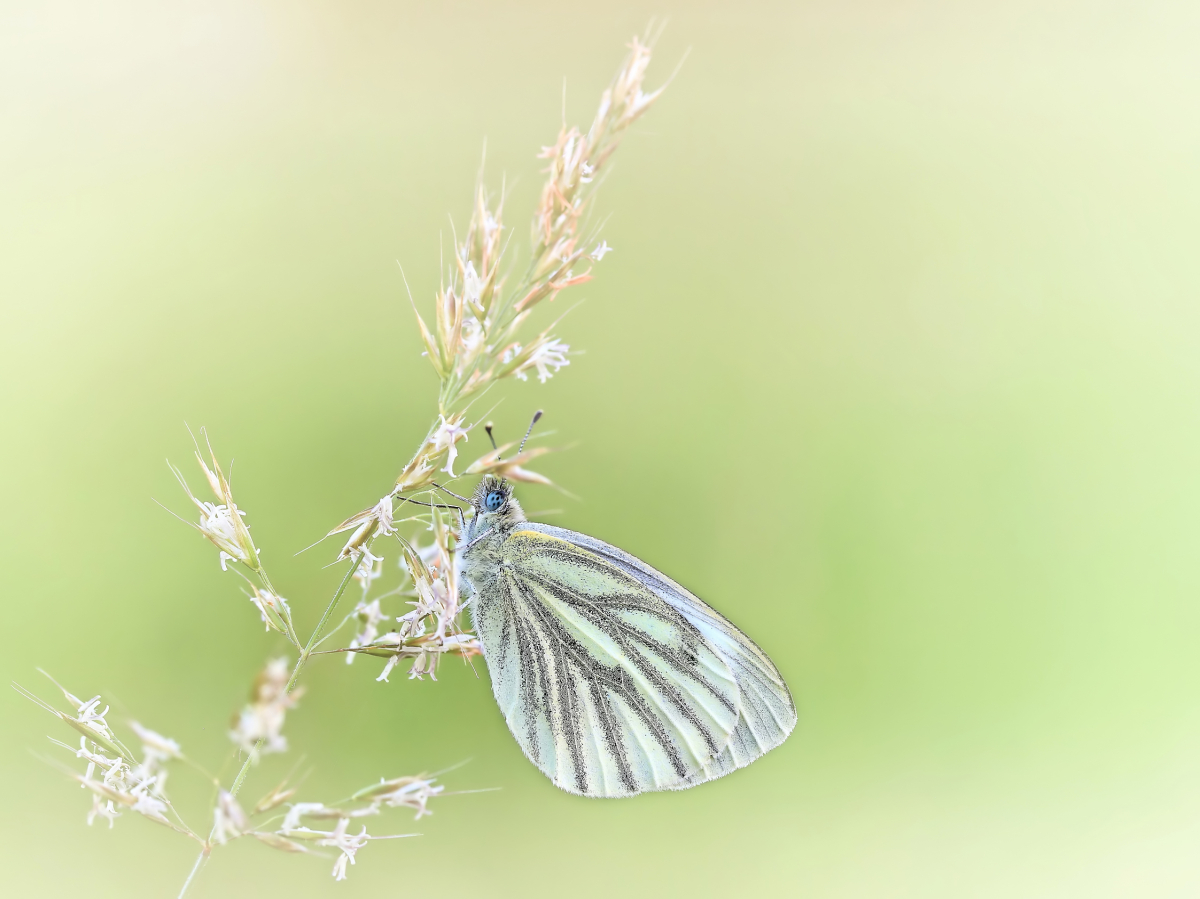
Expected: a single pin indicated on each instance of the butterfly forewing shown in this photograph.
(608, 688)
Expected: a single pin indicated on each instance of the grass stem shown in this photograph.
(236, 787)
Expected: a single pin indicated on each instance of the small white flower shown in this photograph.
(271, 606)
(550, 355)
(545, 356)
(409, 792)
(120, 776)
(117, 773)
(93, 758)
(369, 616)
(383, 514)
(447, 435)
(157, 750)
(391, 663)
(102, 808)
(87, 715)
(291, 821)
(370, 568)
(147, 804)
(155, 746)
(412, 624)
(367, 524)
(602, 249)
(216, 523)
(347, 844)
(229, 821)
(587, 173)
(262, 719)
(425, 663)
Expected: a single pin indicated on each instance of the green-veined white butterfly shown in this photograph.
(614, 679)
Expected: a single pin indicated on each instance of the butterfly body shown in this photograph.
(613, 678)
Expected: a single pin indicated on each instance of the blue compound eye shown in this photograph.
(493, 501)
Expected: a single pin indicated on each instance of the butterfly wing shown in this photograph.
(767, 714)
(608, 689)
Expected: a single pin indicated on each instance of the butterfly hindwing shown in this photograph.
(766, 711)
(609, 689)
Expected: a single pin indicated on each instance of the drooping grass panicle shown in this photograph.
(410, 604)
(479, 319)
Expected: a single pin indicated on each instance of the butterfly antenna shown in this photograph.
(536, 416)
(488, 427)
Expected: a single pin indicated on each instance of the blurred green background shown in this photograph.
(896, 362)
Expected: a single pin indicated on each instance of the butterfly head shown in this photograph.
(494, 507)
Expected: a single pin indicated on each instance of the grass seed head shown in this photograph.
(221, 522)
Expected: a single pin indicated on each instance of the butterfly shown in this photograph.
(614, 679)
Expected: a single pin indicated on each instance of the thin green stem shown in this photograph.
(316, 634)
(206, 851)
(191, 878)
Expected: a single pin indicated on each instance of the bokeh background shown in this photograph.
(896, 361)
